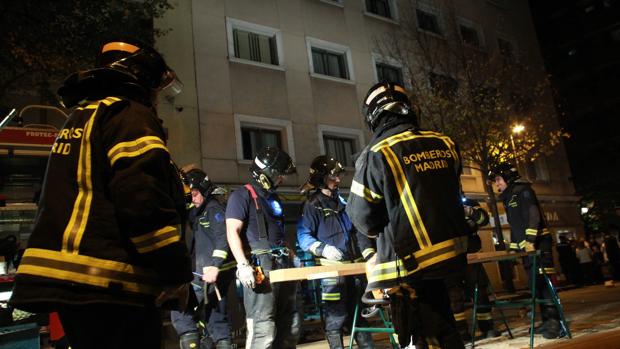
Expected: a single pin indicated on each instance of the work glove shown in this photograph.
(529, 247)
(332, 253)
(245, 274)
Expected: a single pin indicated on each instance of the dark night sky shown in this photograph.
(580, 42)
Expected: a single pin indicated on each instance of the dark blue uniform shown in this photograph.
(211, 249)
(271, 312)
(324, 222)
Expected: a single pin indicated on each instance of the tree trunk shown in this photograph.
(497, 229)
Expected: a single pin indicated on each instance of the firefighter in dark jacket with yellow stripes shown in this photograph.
(326, 231)
(106, 246)
(528, 232)
(214, 262)
(406, 193)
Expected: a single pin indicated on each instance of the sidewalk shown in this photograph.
(589, 310)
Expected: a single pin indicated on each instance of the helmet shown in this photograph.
(321, 167)
(268, 164)
(198, 179)
(123, 66)
(140, 62)
(385, 96)
(505, 170)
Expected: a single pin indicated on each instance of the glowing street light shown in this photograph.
(518, 128)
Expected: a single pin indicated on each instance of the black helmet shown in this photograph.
(321, 167)
(198, 179)
(123, 66)
(505, 170)
(268, 164)
(385, 96)
(141, 62)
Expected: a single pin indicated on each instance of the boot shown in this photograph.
(189, 340)
(223, 344)
(364, 340)
(552, 329)
(334, 339)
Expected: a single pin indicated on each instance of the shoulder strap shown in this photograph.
(260, 216)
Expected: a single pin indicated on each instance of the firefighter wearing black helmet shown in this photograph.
(255, 231)
(528, 232)
(326, 231)
(213, 261)
(106, 248)
(406, 194)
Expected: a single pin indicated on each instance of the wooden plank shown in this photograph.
(291, 274)
(494, 256)
(342, 272)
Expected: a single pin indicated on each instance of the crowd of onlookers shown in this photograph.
(589, 261)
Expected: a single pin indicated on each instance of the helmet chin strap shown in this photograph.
(265, 182)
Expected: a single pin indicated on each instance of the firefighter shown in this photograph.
(255, 231)
(106, 248)
(406, 194)
(326, 231)
(461, 290)
(528, 232)
(207, 219)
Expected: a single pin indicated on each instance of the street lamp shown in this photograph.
(516, 129)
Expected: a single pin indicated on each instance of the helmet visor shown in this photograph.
(170, 86)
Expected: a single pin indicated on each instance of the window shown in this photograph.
(254, 139)
(379, 8)
(252, 133)
(428, 21)
(329, 63)
(340, 148)
(255, 47)
(340, 142)
(444, 85)
(469, 35)
(506, 48)
(386, 72)
(537, 170)
(329, 60)
(248, 42)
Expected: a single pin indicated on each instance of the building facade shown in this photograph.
(293, 73)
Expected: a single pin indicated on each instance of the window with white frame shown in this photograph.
(340, 143)
(443, 85)
(470, 34)
(428, 20)
(389, 73)
(383, 8)
(254, 43)
(254, 133)
(506, 48)
(329, 59)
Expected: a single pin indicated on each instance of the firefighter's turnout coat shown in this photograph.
(406, 194)
(527, 222)
(108, 228)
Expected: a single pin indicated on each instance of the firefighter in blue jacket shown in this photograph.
(528, 232)
(213, 261)
(327, 232)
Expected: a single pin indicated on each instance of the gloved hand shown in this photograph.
(529, 247)
(332, 253)
(245, 274)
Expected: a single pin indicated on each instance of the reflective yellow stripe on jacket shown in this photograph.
(429, 256)
(135, 148)
(87, 270)
(157, 239)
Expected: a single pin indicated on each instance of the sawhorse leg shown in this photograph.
(557, 303)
